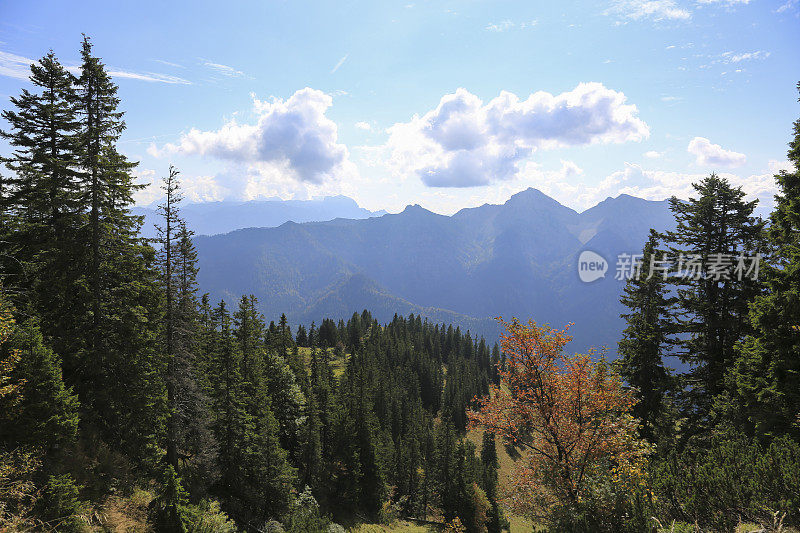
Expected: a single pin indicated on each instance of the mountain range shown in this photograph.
(518, 259)
(211, 218)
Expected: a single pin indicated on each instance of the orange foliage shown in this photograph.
(570, 413)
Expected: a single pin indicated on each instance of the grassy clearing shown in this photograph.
(507, 458)
(337, 363)
(400, 525)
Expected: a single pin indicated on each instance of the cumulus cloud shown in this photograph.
(292, 135)
(709, 154)
(776, 167)
(648, 9)
(659, 184)
(464, 142)
(652, 154)
(363, 126)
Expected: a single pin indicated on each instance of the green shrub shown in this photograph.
(206, 517)
(305, 516)
(735, 480)
(60, 508)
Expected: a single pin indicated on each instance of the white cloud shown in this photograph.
(339, 63)
(731, 57)
(464, 142)
(790, 4)
(148, 76)
(709, 154)
(224, 70)
(659, 185)
(363, 126)
(776, 167)
(168, 63)
(500, 26)
(648, 9)
(15, 66)
(652, 154)
(724, 2)
(18, 67)
(292, 135)
(507, 24)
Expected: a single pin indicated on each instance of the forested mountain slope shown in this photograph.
(515, 259)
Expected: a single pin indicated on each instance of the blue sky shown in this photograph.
(446, 104)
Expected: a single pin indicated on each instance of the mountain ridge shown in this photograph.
(512, 259)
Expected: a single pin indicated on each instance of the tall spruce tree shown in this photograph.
(41, 203)
(117, 373)
(712, 317)
(766, 377)
(647, 336)
(167, 230)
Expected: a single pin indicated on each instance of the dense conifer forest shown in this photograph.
(129, 401)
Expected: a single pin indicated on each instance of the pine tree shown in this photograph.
(37, 408)
(646, 337)
(489, 465)
(265, 473)
(227, 398)
(169, 212)
(121, 310)
(712, 316)
(42, 191)
(49, 411)
(41, 205)
(766, 377)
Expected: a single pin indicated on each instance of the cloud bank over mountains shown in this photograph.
(292, 149)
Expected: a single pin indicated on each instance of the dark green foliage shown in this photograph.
(47, 415)
(734, 480)
(369, 416)
(168, 509)
(711, 315)
(646, 340)
(489, 465)
(60, 508)
(765, 380)
(305, 515)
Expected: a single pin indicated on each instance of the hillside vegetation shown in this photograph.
(135, 398)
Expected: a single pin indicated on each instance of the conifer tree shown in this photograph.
(765, 379)
(120, 310)
(37, 408)
(647, 336)
(41, 191)
(489, 465)
(169, 212)
(712, 318)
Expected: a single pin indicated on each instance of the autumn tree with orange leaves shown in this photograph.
(569, 414)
